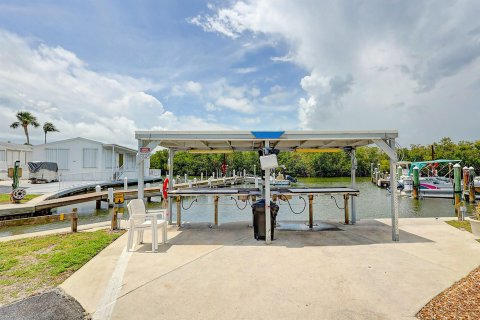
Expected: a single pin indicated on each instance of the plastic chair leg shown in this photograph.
(165, 239)
(154, 239)
(130, 239)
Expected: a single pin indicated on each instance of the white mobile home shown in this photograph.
(11, 152)
(84, 159)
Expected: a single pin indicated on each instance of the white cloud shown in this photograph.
(169, 121)
(189, 87)
(364, 59)
(239, 105)
(246, 70)
(55, 85)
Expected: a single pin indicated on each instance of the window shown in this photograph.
(3, 155)
(90, 157)
(108, 158)
(60, 156)
(131, 161)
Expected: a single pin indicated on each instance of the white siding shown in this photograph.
(130, 161)
(108, 158)
(3, 155)
(90, 157)
(60, 156)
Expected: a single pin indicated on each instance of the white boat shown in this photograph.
(431, 186)
(279, 182)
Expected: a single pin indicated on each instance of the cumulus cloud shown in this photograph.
(361, 57)
(55, 85)
(240, 99)
(189, 87)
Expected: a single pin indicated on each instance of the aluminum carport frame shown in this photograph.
(282, 140)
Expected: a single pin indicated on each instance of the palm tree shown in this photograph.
(49, 127)
(25, 119)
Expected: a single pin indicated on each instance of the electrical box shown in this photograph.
(269, 162)
(10, 172)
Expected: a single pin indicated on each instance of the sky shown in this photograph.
(103, 69)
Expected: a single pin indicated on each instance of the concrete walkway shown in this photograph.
(354, 272)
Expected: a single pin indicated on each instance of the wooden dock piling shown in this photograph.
(215, 200)
(345, 207)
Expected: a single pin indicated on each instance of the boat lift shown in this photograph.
(293, 141)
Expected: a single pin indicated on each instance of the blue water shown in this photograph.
(372, 202)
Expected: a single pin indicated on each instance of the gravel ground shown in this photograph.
(460, 301)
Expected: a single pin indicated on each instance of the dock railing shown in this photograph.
(70, 180)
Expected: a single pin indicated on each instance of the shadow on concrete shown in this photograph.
(368, 232)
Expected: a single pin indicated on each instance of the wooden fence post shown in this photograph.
(114, 224)
(74, 220)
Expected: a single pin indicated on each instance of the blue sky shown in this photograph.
(103, 69)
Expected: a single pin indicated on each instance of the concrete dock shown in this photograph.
(351, 272)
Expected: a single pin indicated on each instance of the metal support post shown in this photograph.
(141, 172)
(393, 193)
(354, 186)
(268, 230)
(170, 184)
(310, 211)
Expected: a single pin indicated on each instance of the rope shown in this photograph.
(304, 204)
(236, 203)
(336, 203)
(191, 204)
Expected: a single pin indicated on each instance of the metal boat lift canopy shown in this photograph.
(308, 141)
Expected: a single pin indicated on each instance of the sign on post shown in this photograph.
(143, 153)
(119, 198)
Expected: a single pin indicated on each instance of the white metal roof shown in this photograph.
(252, 140)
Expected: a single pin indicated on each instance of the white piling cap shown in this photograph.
(416, 168)
(465, 168)
(471, 168)
(457, 165)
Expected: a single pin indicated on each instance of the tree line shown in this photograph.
(26, 119)
(321, 164)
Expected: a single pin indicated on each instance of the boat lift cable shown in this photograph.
(336, 202)
(191, 204)
(236, 203)
(304, 205)
(400, 155)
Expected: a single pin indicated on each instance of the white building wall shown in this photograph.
(8, 156)
(76, 167)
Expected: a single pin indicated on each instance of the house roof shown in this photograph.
(252, 140)
(15, 146)
(119, 147)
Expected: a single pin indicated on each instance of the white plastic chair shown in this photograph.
(141, 220)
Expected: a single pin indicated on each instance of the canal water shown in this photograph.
(372, 203)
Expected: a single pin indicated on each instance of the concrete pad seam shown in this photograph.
(107, 303)
(176, 269)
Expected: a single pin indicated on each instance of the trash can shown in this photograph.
(258, 210)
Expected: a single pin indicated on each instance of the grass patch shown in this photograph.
(460, 225)
(32, 265)
(5, 198)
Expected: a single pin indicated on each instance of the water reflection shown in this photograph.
(372, 202)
